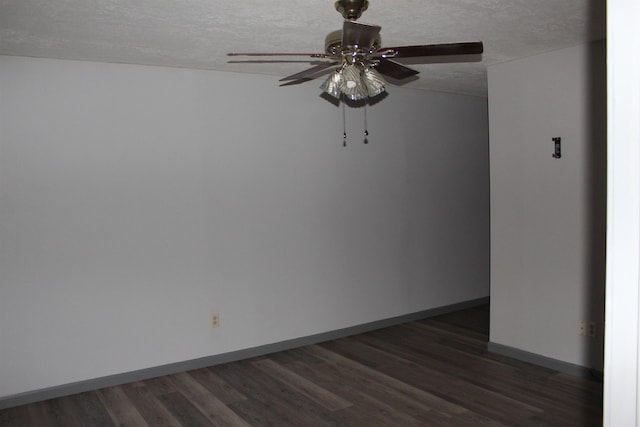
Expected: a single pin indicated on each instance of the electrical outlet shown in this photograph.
(215, 320)
(582, 328)
(593, 328)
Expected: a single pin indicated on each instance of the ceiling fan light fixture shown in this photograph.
(354, 81)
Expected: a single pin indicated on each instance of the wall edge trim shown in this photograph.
(545, 362)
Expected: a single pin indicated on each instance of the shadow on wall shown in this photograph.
(597, 174)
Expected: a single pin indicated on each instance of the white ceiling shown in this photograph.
(199, 33)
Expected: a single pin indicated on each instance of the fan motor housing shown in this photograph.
(333, 43)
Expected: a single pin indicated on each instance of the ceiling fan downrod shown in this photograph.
(351, 9)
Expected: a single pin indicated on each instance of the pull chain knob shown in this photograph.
(366, 131)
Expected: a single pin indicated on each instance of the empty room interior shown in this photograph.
(167, 208)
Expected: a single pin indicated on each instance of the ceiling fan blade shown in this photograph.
(358, 34)
(394, 70)
(272, 61)
(309, 72)
(312, 55)
(465, 48)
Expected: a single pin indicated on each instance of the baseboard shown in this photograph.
(545, 362)
(203, 362)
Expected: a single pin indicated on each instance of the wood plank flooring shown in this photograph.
(433, 372)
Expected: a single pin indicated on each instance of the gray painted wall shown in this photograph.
(137, 201)
(548, 215)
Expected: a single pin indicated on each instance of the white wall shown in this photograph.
(136, 201)
(548, 215)
(622, 355)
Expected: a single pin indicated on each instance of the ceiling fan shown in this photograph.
(360, 60)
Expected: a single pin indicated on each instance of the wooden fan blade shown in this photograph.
(309, 72)
(358, 34)
(465, 48)
(395, 70)
(312, 55)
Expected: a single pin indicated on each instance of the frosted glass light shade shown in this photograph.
(352, 84)
(332, 85)
(373, 81)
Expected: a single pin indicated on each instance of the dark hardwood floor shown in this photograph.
(433, 372)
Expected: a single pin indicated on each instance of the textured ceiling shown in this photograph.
(199, 33)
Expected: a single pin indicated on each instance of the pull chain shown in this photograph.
(366, 131)
(344, 126)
